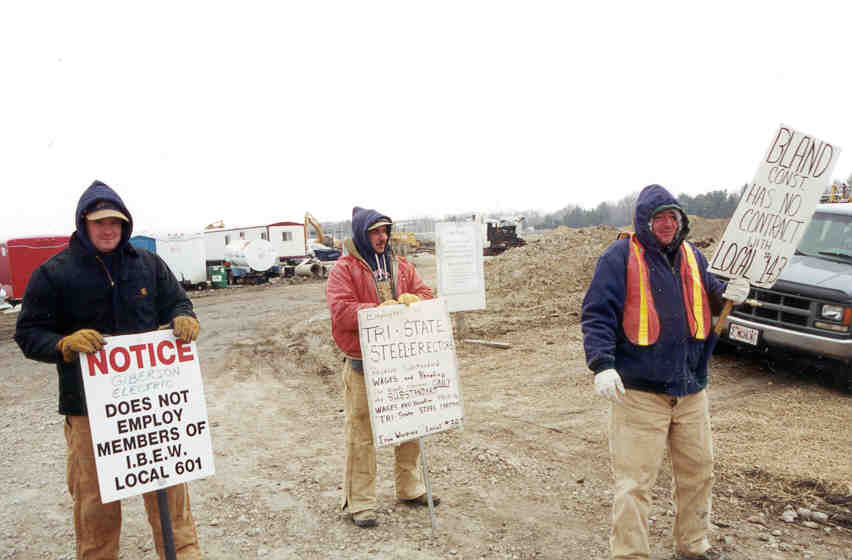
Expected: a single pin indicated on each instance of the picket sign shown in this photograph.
(411, 374)
(461, 274)
(776, 207)
(148, 417)
(774, 211)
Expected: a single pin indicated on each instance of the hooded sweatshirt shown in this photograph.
(673, 365)
(128, 291)
(353, 282)
(100, 191)
(362, 219)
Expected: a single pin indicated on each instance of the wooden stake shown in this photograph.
(720, 323)
(491, 343)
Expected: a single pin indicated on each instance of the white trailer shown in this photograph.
(184, 253)
(288, 238)
(215, 240)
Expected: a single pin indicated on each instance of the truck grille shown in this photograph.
(777, 308)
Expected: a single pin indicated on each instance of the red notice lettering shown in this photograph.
(120, 359)
(163, 359)
(99, 359)
(125, 359)
(184, 351)
(137, 349)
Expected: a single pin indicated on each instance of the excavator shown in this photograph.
(327, 240)
(316, 264)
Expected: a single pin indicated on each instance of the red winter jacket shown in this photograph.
(351, 287)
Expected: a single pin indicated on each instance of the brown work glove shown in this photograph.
(186, 327)
(408, 299)
(389, 302)
(84, 340)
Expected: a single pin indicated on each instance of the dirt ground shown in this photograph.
(527, 477)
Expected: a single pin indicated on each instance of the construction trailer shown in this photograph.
(19, 257)
(184, 253)
(215, 240)
(287, 238)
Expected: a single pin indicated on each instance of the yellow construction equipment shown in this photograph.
(839, 193)
(326, 240)
(404, 242)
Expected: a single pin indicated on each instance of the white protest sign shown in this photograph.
(147, 413)
(461, 279)
(775, 208)
(410, 371)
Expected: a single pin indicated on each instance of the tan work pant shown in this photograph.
(97, 525)
(642, 425)
(359, 481)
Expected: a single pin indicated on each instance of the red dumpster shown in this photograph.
(20, 256)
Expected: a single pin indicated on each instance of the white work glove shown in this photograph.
(608, 384)
(737, 290)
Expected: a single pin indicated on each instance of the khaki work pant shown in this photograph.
(97, 525)
(359, 481)
(642, 426)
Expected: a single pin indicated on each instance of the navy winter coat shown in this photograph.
(132, 292)
(671, 365)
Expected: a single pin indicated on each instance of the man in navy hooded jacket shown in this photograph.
(646, 323)
(101, 285)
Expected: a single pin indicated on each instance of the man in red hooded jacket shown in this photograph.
(370, 275)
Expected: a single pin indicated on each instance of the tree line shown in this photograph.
(713, 204)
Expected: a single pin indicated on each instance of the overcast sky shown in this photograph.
(254, 112)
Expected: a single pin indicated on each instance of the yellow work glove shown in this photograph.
(84, 340)
(389, 302)
(186, 327)
(408, 299)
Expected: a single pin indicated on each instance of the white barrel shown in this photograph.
(257, 254)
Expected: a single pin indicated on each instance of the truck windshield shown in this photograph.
(828, 235)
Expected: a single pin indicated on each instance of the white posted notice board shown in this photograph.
(461, 277)
(147, 413)
(775, 208)
(410, 371)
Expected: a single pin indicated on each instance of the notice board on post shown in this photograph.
(410, 371)
(461, 277)
(775, 208)
(147, 413)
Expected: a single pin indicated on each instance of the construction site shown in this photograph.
(526, 477)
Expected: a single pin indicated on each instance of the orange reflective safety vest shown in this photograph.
(640, 321)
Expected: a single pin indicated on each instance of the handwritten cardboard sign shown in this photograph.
(775, 208)
(147, 413)
(410, 370)
(461, 277)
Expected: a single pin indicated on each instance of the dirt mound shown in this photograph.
(547, 278)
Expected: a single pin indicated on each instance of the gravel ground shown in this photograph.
(527, 477)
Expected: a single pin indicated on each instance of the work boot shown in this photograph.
(709, 554)
(422, 500)
(365, 519)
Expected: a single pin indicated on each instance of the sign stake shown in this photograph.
(166, 524)
(425, 465)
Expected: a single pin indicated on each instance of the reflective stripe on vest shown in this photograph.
(694, 296)
(640, 320)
